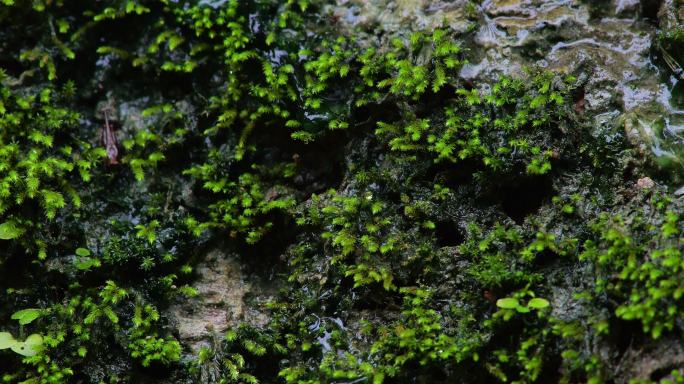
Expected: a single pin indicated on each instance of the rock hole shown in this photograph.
(526, 197)
(263, 259)
(665, 373)
(448, 234)
(624, 334)
(547, 260)
(321, 166)
(450, 175)
(650, 9)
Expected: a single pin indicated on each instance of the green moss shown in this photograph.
(638, 263)
(41, 163)
(144, 344)
(505, 129)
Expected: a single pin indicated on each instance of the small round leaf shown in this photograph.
(507, 303)
(522, 309)
(6, 340)
(34, 339)
(29, 347)
(538, 303)
(82, 252)
(26, 316)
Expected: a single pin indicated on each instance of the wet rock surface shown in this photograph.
(652, 362)
(611, 47)
(404, 15)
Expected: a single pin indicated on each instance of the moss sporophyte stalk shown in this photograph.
(389, 218)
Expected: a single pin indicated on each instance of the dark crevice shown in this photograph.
(264, 258)
(452, 175)
(661, 374)
(448, 234)
(525, 197)
(650, 9)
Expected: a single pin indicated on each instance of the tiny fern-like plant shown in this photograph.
(39, 160)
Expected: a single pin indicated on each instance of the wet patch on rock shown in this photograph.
(405, 15)
(614, 49)
(652, 362)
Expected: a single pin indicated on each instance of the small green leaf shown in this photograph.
(29, 347)
(82, 252)
(522, 309)
(26, 316)
(9, 230)
(538, 303)
(507, 303)
(86, 263)
(6, 340)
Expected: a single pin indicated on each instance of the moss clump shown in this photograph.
(42, 163)
(511, 126)
(638, 263)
